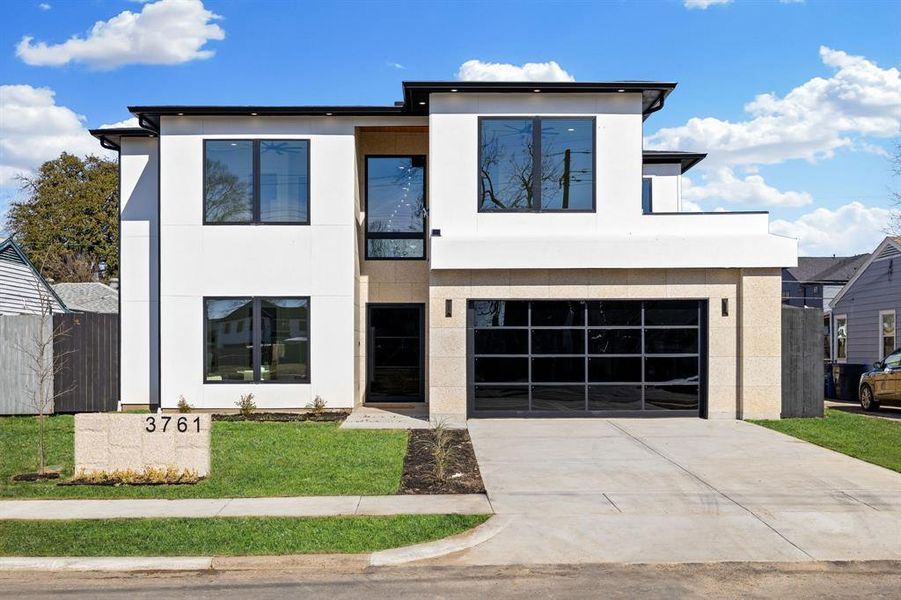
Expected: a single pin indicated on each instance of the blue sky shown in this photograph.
(813, 153)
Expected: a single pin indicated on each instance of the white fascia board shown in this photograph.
(630, 252)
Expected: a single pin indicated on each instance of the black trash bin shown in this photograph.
(847, 377)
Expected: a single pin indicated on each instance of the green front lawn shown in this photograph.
(877, 441)
(248, 459)
(225, 536)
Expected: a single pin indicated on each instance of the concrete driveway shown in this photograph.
(676, 490)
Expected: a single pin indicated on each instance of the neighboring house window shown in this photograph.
(273, 347)
(536, 164)
(256, 181)
(827, 340)
(647, 185)
(887, 338)
(395, 207)
(841, 337)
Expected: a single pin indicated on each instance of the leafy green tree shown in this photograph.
(68, 222)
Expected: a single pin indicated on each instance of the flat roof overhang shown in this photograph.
(111, 137)
(667, 157)
(416, 100)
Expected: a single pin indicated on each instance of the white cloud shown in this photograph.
(166, 32)
(811, 122)
(130, 122)
(35, 129)
(849, 229)
(723, 184)
(476, 70)
(397, 66)
(44, 6)
(704, 4)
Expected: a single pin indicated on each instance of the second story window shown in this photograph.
(395, 207)
(536, 164)
(256, 181)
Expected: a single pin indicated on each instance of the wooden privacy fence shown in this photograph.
(19, 336)
(86, 355)
(802, 362)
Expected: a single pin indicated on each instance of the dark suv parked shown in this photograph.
(882, 383)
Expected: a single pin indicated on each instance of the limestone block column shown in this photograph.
(760, 344)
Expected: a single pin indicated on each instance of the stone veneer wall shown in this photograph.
(107, 442)
(744, 347)
(404, 281)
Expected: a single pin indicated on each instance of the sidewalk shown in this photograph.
(302, 506)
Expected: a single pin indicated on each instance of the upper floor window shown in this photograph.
(256, 181)
(647, 186)
(395, 207)
(536, 164)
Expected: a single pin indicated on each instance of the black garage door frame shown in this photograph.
(703, 366)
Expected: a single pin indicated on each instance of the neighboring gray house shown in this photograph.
(865, 311)
(89, 297)
(817, 279)
(22, 287)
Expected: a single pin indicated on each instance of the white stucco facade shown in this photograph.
(171, 260)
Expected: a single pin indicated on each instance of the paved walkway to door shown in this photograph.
(667, 490)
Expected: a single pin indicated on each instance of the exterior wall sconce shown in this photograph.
(448, 308)
(725, 306)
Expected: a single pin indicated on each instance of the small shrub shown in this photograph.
(183, 406)
(442, 450)
(317, 406)
(147, 476)
(246, 405)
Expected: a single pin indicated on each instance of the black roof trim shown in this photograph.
(110, 137)
(653, 93)
(416, 99)
(665, 157)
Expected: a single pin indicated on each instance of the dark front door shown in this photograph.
(395, 352)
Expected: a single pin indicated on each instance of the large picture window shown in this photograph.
(264, 339)
(256, 181)
(395, 207)
(536, 164)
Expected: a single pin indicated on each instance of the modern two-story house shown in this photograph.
(488, 249)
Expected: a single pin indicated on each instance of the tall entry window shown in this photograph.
(395, 207)
(536, 164)
(256, 181)
(576, 357)
(264, 339)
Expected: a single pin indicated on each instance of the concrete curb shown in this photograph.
(331, 562)
(427, 550)
(111, 563)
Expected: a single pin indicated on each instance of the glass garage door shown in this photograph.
(578, 358)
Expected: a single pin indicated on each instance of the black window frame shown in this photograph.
(536, 164)
(255, 201)
(256, 339)
(387, 235)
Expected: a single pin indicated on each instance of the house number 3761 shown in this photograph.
(182, 424)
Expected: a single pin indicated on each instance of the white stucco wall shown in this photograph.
(257, 260)
(616, 235)
(666, 187)
(138, 292)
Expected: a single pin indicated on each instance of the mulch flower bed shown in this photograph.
(419, 477)
(37, 476)
(331, 416)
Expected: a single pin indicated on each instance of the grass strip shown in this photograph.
(874, 440)
(226, 536)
